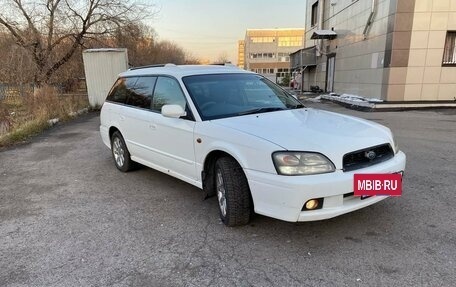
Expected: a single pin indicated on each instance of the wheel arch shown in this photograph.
(207, 173)
(112, 130)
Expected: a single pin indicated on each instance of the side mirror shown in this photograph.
(173, 111)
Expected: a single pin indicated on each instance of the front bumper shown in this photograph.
(283, 197)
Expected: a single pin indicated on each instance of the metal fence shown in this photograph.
(13, 91)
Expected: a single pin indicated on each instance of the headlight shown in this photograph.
(301, 163)
(395, 145)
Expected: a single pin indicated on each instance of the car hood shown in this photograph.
(313, 130)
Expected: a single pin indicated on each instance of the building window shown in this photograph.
(290, 41)
(284, 57)
(282, 72)
(262, 39)
(314, 18)
(264, 71)
(262, 55)
(449, 54)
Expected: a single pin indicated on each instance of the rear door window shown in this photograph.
(121, 90)
(141, 94)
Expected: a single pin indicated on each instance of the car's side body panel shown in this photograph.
(249, 151)
(169, 144)
(110, 116)
(135, 130)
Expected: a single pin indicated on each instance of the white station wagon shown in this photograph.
(238, 136)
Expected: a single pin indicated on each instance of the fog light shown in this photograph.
(311, 204)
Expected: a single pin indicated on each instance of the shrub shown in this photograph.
(286, 80)
(28, 114)
(5, 121)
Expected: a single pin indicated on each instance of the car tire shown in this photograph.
(233, 193)
(120, 153)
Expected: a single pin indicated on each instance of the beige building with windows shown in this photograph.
(267, 51)
(241, 56)
(395, 50)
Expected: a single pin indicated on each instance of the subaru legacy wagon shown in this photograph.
(240, 137)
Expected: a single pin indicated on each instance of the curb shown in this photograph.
(391, 106)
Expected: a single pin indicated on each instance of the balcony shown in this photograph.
(303, 58)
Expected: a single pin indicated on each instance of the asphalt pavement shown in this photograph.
(68, 217)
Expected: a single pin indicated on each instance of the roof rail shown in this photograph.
(152, 66)
(227, 64)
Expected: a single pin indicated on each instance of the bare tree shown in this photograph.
(145, 49)
(51, 31)
(222, 58)
(14, 62)
(168, 52)
(138, 39)
(191, 59)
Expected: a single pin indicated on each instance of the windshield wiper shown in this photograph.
(261, 110)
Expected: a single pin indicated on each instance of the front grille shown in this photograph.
(360, 159)
(349, 194)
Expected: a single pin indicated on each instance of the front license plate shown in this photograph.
(366, 185)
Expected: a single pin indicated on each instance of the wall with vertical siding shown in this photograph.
(101, 67)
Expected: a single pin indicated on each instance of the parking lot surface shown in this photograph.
(68, 217)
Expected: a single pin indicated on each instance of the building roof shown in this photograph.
(274, 32)
(105, 50)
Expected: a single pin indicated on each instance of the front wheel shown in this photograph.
(120, 153)
(233, 193)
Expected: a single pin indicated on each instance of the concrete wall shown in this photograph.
(401, 58)
(425, 78)
(101, 67)
(359, 61)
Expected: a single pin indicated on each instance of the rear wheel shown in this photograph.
(233, 193)
(120, 153)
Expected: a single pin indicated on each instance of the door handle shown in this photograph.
(122, 118)
(153, 126)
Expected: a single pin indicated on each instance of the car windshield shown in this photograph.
(228, 95)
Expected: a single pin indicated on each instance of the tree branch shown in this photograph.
(53, 31)
(27, 17)
(19, 39)
(52, 7)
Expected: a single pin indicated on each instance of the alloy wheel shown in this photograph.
(118, 151)
(221, 193)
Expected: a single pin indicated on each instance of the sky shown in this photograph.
(208, 29)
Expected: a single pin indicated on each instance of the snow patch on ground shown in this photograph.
(315, 100)
(54, 121)
(350, 99)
